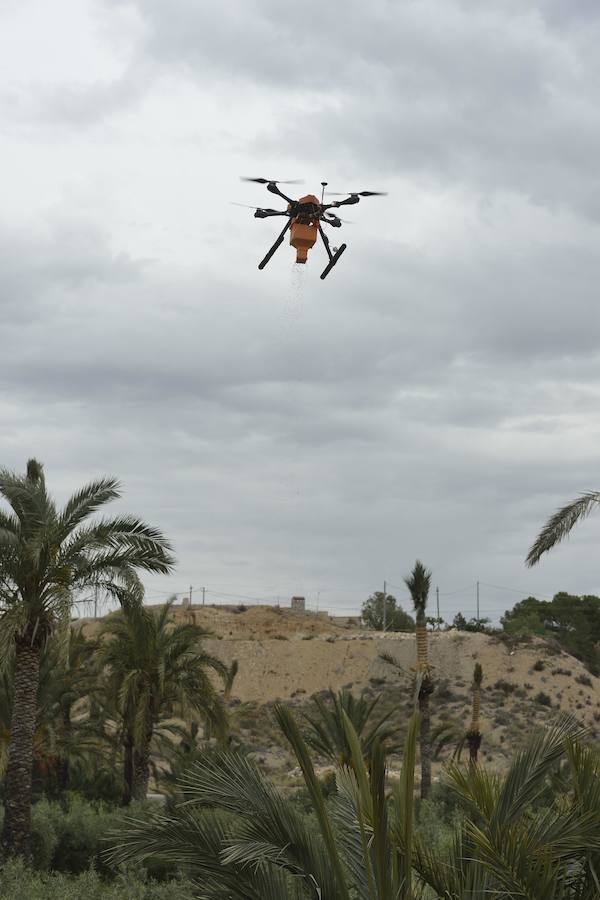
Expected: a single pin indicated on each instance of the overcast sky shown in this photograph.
(438, 396)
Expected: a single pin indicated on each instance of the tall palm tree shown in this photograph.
(474, 732)
(418, 584)
(46, 554)
(155, 669)
(560, 524)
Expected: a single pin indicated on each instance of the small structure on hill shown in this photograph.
(299, 604)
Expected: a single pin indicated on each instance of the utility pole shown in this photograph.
(203, 592)
(478, 603)
(384, 605)
(437, 600)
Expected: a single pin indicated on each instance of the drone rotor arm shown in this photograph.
(349, 201)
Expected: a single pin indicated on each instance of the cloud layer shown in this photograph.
(437, 396)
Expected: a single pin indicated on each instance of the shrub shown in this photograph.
(20, 883)
(584, 679)
(543, 699)
(539, 665)
(507, 687)
(81, 830)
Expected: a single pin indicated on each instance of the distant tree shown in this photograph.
(529, 616)
(573, 621)
(418, 583)
(461, 624)
(474, 732)
(396, 619)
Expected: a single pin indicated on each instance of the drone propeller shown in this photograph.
(356, 193)
(271, 180)
(262, 208)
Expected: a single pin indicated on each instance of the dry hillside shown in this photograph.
(287, 655)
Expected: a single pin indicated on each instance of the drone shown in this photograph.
(306, 218)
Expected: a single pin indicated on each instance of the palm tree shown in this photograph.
(326, 731)
(70, 677)
(560, 524)
(474, 732)
(418, 584)
(45, 555)
(243, 840)
(156, 667)
(518, 838)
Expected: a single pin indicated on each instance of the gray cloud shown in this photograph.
(437, 396)
(496, 96)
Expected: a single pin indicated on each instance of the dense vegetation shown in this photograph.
(86, 726)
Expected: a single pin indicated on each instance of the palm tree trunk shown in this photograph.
(63, 762)
(474, 742)
(141, 769)
(425, 740)
(474, 732)
(127, 770)
(16, 831)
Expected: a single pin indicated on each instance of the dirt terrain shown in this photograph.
(284, 655)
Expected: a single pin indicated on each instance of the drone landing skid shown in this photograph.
(277, 243)
(333, 257)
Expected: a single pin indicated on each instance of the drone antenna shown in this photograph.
(323, 185)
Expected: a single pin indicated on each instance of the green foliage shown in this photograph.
(474, 625)
(155, 669)
(243, 840)
(573, 621)
(560, 524)
(481, 834)
(326, 730)
(396, 619)
(20, 883)
(46, 552)
(418, 584)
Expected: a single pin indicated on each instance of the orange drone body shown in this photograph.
(304, 229)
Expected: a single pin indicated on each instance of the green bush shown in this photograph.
(71, 840)
(81, 831)
(19, 883)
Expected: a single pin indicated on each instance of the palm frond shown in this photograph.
(88, 500)
(560, 524)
